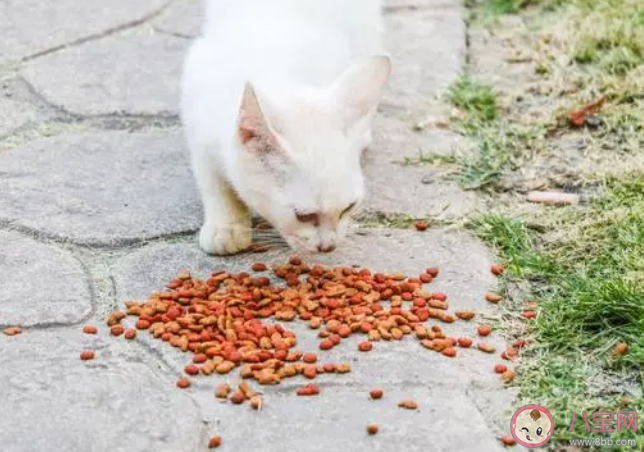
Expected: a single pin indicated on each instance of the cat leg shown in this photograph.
(227, 222)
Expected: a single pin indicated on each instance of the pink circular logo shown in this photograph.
(532, 426)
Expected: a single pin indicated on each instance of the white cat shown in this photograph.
(278, 96)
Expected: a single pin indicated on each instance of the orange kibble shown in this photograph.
(308, 390)
(238, 398)
(465, 342)
(365, 346)
(310, 358)
(295, 260)
(191, 370)
(329, 368)
(183, 383)
(440, 296)
(372, 429)
(87, 355)
(326, 345)
(344, 331)
(310, 372)
(421, 225)
(508, 376)
(142, 324)
(465, 315)
(493, 297)
(484, 330)
(507, 440)
(12, 331)
(200, 358)
(259, 267)
(376, 394)
(433, 272)
(497, 269)
(449, 352)
(529, 315)
(90, 329)
(117, 330)
(500, 368)
(620, 349)
(130, 334)
(214, 442)
(485, 347)
(520, 344)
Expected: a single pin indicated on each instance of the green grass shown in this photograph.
(499, 141)
(589, 284)
(477, 100)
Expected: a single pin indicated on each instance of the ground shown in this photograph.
(98, 206)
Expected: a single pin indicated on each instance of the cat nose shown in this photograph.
(326, 249)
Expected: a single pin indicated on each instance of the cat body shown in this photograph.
(277, 100)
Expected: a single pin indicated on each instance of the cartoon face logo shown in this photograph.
(532, 426)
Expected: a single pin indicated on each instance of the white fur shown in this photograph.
(311, 65)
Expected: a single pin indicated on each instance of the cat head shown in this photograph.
(300, 160)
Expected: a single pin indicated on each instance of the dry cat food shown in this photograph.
(221, 319)
(235, 321)
(90, 329)
(308, 390)
(507, 440)
(620, 349)
(497, 269)
(215, 442)
(87, 355)
(183, 383)
(408, 404)
(484, 330)
(376, 394)
(421, 225)
(12, 331)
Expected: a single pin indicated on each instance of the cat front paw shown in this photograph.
(222, 241)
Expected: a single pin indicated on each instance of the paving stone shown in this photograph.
(40, 284)
(135, 72)
(184, 18)
(130, 186)
(393, 188)
(53, 401)
(394, 139)
(33, 26)
(428, 49)
(14, 114)
(416, 191)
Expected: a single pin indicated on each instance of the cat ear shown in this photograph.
(252, 124)
(358, 90)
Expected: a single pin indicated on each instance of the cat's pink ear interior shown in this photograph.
(359, 89)
(252, 123)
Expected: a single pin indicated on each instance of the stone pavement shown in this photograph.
(97, 205)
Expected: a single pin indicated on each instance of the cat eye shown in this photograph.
(539, 430)
(308, 218)
(348, 209)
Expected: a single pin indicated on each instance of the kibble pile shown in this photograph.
(228, 322)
